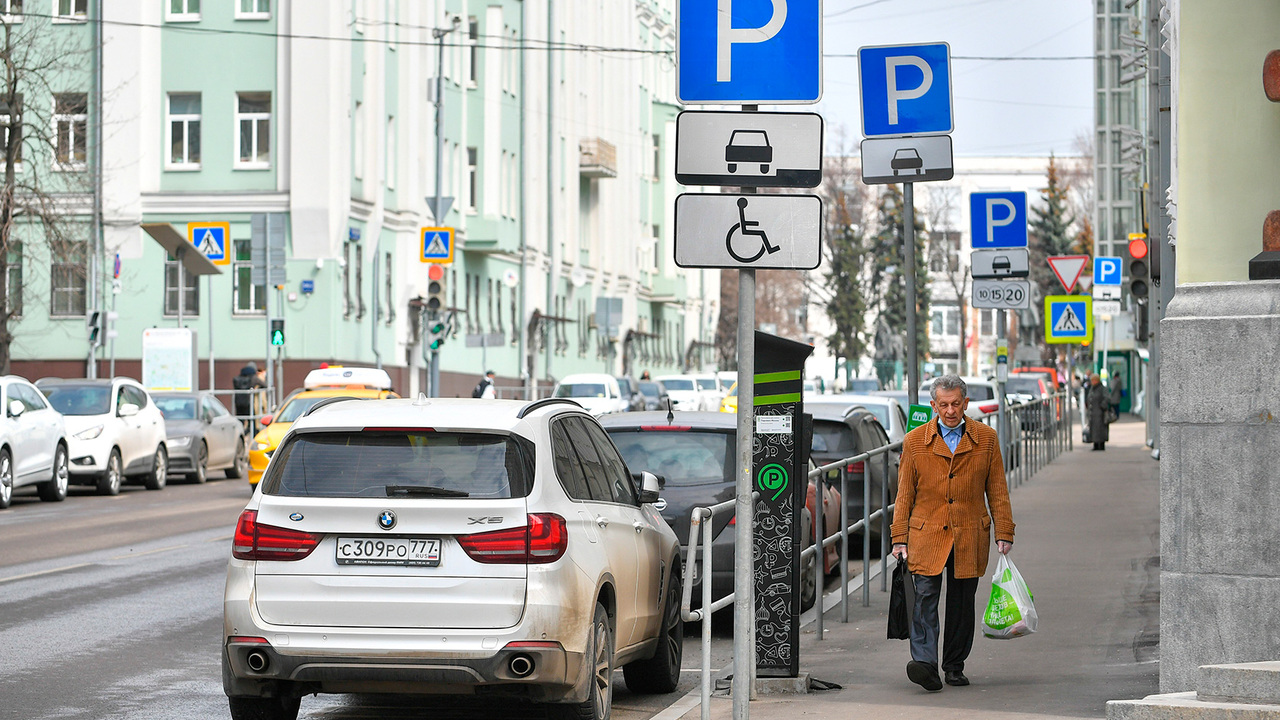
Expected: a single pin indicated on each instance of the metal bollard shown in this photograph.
(866, 532)
(820, 558)
(706, 617)
(844, 544)
(884, 526)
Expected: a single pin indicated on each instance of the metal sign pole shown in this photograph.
(1002, 418)
(909, 259)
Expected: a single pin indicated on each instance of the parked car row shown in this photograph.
(603, 394)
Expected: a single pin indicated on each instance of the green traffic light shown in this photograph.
(435, 344)
(277, 337)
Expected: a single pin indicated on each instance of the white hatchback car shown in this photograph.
(450, 546)
(114, 431)
(600, 394)
(33, 443)
(684, 393)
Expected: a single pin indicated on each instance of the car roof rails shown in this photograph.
(543, 403)
(328, 401)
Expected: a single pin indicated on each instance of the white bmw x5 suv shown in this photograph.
(450, 546)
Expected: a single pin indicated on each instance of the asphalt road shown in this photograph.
(111, 607)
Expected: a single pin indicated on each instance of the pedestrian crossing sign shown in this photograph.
(1068, 319)
(212, 239)
(437, 245)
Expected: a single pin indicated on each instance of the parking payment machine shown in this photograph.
(780, 461)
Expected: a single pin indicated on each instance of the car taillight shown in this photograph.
(256, 541)
(543, 540)
(857, 467)
(990, 408)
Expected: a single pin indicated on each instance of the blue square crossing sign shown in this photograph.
(437, 245)
(749, 51)
(212, 239)
(1068, 319)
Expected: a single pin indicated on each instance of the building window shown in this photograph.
(360, 282)
(14, 279)
(190, 289)
(6, 117)
(944, 256)
(183, 11)
(184, 131)
(473, 51)
(11, 10)
(987, 323)
(70, 126)
(347, 305)
(472, 180)
(70, 9)
(657, 157)
(253, 118)
(253, 9)
(250, 299)
(946, 321)
(387, 289)
(67, 281)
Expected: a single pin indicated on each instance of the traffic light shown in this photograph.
(436, 327)
(435, 289)
(1139, 272)
(97, 322)
(277, 333)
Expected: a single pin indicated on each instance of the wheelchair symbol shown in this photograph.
(745, 227)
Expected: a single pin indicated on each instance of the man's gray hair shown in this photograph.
(948, 382)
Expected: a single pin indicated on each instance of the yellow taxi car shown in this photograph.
(334, 381)
(730, 402)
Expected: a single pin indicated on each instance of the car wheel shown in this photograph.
(599, 702)
(201, 472)
(55, 489)
(259, 708)
(661, 673)
(809, 583)
(109, 480)
(155, 479)
(240, 467)
(6, 479)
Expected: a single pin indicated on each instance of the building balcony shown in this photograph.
(597, 158)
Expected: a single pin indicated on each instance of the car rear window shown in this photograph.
(833, 437)
(177, 407)
(881, 412)
(581, 390)
(413, 464)
(683, 457)
(678, 384)
(980, 392)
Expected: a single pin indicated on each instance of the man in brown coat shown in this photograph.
(951, 472)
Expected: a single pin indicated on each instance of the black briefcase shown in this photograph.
(900, 599)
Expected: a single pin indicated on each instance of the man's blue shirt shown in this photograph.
(951, 436)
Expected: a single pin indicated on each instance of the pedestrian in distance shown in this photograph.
(1098, 402)
(242, 402)
(645, 375)
(485, 388)
(950, 473)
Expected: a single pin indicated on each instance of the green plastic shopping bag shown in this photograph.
(1011, 611)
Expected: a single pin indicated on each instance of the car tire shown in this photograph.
(240, 467)
(260, 708)
(110, 479)
(661, 673)
(599, 656)
(809, 583)
(201, 472)
(159, 474)
(55, 488)
(6, 479)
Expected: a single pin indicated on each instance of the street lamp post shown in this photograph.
(438, 209)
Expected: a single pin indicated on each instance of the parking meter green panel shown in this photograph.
(919, 415)
(780, 460)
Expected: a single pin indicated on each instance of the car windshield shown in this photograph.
(881, 412)
(706, 383)
(1024, 385)
(79, 399)
(298, 407)
(582, 390)
(683, 457)
(177, 407)
(860, 385)
(366, 464)
(651, 389)
(833, 438)
(678, 384)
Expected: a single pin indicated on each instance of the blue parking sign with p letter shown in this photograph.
(749, 51)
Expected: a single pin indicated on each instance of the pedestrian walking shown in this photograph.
(1098, 401)
(242, 402)
(950, 473)
(485, 388)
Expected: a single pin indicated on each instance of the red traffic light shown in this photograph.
(1137, 247)
(435, 272)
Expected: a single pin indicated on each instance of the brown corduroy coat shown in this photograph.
(942, 500)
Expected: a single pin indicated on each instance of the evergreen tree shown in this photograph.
(844, 281)
(1050, 234)
(888, 282)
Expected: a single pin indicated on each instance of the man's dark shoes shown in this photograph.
(957, 678)
(924, 675)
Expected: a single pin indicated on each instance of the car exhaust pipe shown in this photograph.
(257, 661)
(520, 665)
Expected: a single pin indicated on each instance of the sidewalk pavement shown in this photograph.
(1088, 546)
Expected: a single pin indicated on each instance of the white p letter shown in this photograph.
(891, 82)
(727, 35)
(992, 223)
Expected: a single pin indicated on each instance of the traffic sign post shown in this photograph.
(1068, 319)
(888, 161)
(1107, 271)
(436, 245)
(212, 239)
(999, 219)
(1001, 294)
(997, 264)
(781, 232)
(749, 149)
(749, 52)
(1067, 269)
(906, 89)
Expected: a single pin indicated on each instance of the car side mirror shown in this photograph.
(266, 420)
(649, 488)
(128, 410)
(16, 408)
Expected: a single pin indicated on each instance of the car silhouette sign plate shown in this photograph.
(1001, 294)
(781, 232)
(999, 264)
(906, 159)
(739, 149)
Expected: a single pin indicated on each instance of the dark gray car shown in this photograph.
(655, 394)
(840, 433)
(202, 436)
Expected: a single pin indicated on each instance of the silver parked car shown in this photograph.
(202, 435)
(450, 546)
(33, 443)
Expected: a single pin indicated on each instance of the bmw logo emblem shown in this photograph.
(295, 517)
(386, 520)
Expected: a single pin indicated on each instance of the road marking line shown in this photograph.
(677, 709)
(43, 572)
(147, 552)
(224, 538)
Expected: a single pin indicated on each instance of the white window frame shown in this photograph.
(5, 119)
(186, 16)
(71, 120)
(186, 119)
(254, 14)
(256, 292)
(6, 8)
(473, 51)
(73, 16)
(255, 118)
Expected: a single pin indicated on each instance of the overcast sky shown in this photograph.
(1011, 107)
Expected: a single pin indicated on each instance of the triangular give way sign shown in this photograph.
(1068, 268)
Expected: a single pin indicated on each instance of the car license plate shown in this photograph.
(422, 552)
